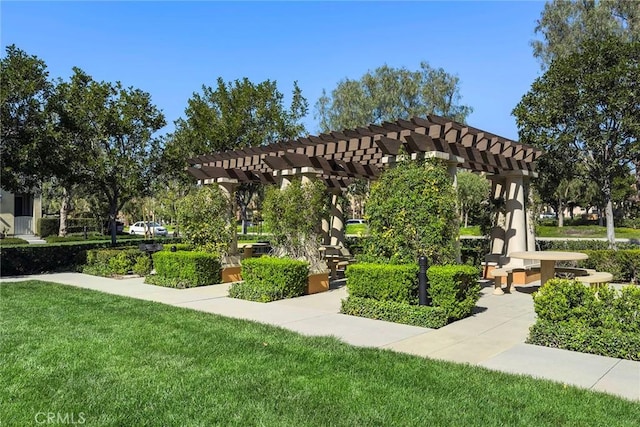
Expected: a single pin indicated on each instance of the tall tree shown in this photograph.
(235, 115)
(390, 93)
(588, 103)
(566, 25)
(24, 91)
(472, 190)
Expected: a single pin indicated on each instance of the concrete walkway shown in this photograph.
(493, 337)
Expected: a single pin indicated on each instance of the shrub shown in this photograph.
(109, 262)
(391, 311)
(574, 317)
(455, 288)
(575, 336)
(412, 211)
(185, 269)
(269, 279)
(294, 215)
(623, 264)
(48, 226)
(383, 282)
(179, 247)
(205, 219)
(37, 259)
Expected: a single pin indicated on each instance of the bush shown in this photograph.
(623, 264)
(412, 211)
(383, 282)
(205, 219)
(575, 336)
(38, 259)
(48, 226)
(109, 262)
(185, 269)
(454, 288)
(391, 311)
(179, 247)
(574, 317)
(269, 279)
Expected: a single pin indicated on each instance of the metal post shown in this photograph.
(422, 280)
(84, 229)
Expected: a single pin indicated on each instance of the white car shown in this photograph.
(153, 228)
(356, 221)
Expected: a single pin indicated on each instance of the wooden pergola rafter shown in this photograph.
(340, 157)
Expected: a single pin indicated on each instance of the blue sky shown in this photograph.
(170, 49)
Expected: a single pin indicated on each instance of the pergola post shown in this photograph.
(228, 187)
(337, 219)
(516, 218)
(497, 233)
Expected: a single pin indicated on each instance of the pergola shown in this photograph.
(338, 158)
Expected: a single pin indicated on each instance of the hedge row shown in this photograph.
(184, 269)
(623, 264)
(37, 259)
(453, 288)
(383, 282)
(575, 317)
(391, 311)
(51, 226)
(110, 262)
(269, 279)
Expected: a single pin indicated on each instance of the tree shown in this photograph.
(472, 190)
(412, 212)
(205, 219)
(235, 115)
(390, 93)
(588, 103)
(24, 91)
(106, 134)
(566, 26)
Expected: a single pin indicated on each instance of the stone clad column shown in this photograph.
(497, 233)
(531, 221)
(228, 187)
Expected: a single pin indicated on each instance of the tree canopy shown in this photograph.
(389, 93)
(566, 25)
(587, 103)
(24, 92)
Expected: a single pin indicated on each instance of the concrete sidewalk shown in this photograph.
(493, 337)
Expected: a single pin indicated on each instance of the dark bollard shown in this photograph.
(422, 280)
(84, 230)
(174, 248)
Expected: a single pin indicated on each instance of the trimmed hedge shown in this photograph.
(269, 279)
(179, 247)
(391, 311)
(46, 258)
(455, 288)
(51, 226)
(383, 282)
(185, 269)
(109, 262)
(624, 264)
(574, 317)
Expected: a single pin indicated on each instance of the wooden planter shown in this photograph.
(317, 282)
(230, 274)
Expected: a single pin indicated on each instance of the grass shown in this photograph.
(585, 231)
(357, 229)
(126, 362)
(474, 230)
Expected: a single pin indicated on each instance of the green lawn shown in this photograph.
(357, 229)
(584, 231)
(125, 362)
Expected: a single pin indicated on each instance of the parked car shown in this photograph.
(142, 227)
(356, 221)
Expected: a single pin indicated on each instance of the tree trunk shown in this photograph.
(560, 214)
(113, 213)
(611, 233)
(243, 214)
(466, 219)
(65, 207)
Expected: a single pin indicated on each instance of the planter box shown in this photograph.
(230, 274)
(316, 283)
